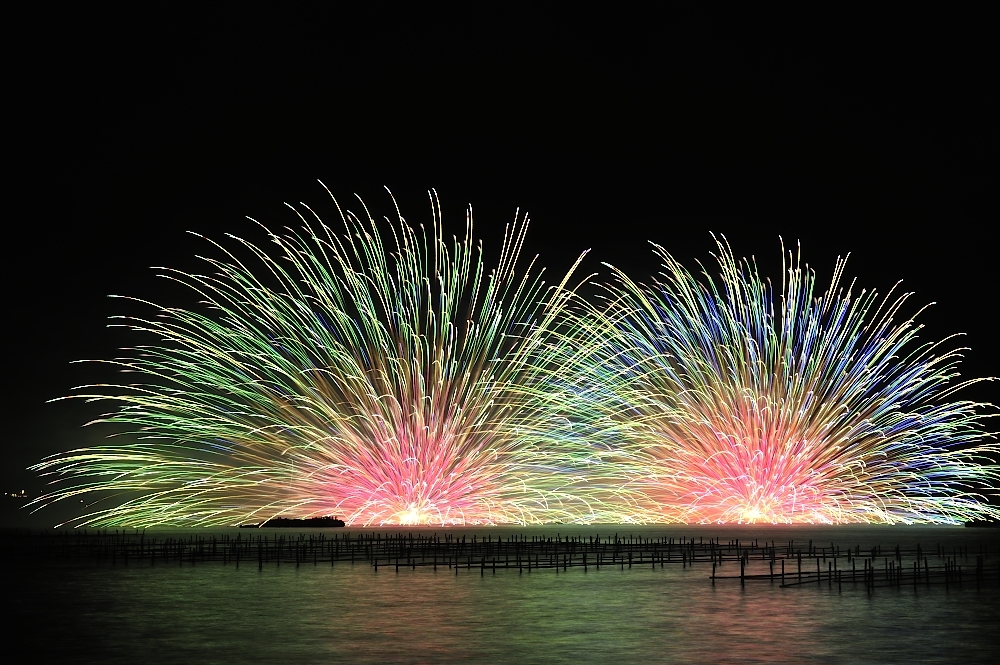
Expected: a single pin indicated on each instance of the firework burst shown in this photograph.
(385, 381)
(719, 400)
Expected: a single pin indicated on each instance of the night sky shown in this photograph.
(874, 137)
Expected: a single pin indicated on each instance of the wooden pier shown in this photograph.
(788, 564)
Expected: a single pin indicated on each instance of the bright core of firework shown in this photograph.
(411, 516)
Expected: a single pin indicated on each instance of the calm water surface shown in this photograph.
(212, 613)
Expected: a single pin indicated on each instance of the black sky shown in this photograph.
(861, 134)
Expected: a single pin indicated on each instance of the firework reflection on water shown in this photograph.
(215, 613)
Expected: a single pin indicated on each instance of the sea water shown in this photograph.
(78, 612)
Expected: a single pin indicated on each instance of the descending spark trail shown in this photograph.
(385, 382)
(718, 400)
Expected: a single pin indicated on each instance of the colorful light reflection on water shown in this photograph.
(215, 613)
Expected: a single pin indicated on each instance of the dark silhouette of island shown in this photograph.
(983, 523)
(288, 523)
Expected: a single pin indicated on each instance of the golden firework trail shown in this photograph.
(722, 399)
(385, 378)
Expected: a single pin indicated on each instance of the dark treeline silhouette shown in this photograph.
(301, 523)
